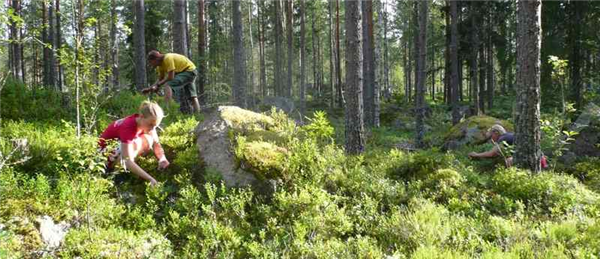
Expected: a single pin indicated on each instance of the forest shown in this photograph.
(299, 129)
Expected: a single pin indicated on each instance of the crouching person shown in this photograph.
(137, 136)
(499, 137)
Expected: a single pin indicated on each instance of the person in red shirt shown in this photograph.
(137, 136)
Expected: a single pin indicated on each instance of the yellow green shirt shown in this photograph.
(174, 62)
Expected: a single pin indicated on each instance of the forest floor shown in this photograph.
(394, 201)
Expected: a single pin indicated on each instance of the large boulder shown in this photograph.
(239, 163)
(588, 125)
(472, 131)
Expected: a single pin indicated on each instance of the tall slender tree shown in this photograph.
(239, 61)
(179, 24)
(201, 54)
(278, 51)
(290, 47)
(355, 141)
(303, 57)
(421, 73)
(114, 45)
(474, 37)
(140, 45)
(338, 67)
(527, 126)
(454, 61)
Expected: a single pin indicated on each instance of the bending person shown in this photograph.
(137, 136)
(178, 72)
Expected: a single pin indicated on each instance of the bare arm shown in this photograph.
(163, 80)
(127, 155)
(495, 151)
(157, 148)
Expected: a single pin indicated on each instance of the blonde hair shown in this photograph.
(152, 110)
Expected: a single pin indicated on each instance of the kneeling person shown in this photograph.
(499, 136)
(137, 134)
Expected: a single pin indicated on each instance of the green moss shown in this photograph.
(265, 135)
(483, 123)
(264, 159)
(244, 120)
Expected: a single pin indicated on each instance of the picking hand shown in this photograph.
(472, 155)
(151, 89)
(163, 164)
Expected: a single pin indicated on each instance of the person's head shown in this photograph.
(155, 58)
(150, 116)
(496, 131)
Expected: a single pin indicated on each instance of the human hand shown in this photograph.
(151, 89)
(153, 183)
(472, 155)
(163, 164)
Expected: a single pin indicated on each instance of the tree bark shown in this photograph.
(473, 56)
(338, 61)
(140, 45)
(303, 57)
(261, 27)
(58, 44)
(278, 51)
(368, 100)
(114, 46)
(179, 35)
(290, 48)
(454, 61)
(421, 75)
(490, 64)
(481, 69)
(527, 126)
(331, 57)
(575, 57)
(239, 62)
(354, 129)
(201, 54)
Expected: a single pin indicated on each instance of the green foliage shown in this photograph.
(319, 128)
(417, 165)
(546, 193)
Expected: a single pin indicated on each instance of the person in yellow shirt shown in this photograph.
(178, 72)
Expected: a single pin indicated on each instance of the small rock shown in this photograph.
(52, 234)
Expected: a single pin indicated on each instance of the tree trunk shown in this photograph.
(575, 55)
(239, 62)
(454, 66)
(527, 126)
(355, 141)
(261, 27)
(251, 57)
(201, 54)
(303, 57)
(315, 61)
(331, 57)
(415, 42)
(17, 46)
(46, 49)
(368, 100)
(421, 75)
(290, 48)
(278, 51)
(482, 77)
(58, 44)
(447, 63)
(114, 46)
(338, 67)
(407, 69)
(179, 40)
(473, 56)
(140, 45)
(490, 66)
(386, 63)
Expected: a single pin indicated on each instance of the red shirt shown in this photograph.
(124, 129)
